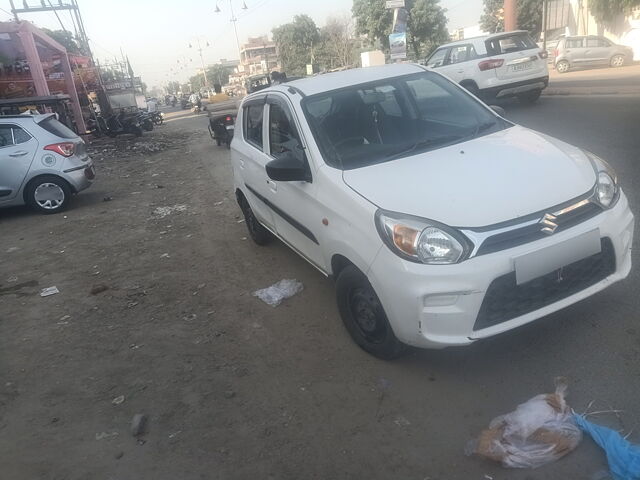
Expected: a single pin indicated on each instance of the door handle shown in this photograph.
(241, 163)
(19, 153)
(460, 71)
(273, 185)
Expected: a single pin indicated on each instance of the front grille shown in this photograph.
(531, 233)
(506, 300)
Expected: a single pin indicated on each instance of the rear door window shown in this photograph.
(509, 43)
(54, 127)
(574, 42)
(253, 124)
(6, 136)
(20, 136)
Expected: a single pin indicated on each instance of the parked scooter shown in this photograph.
(222, 128)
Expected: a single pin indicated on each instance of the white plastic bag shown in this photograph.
(538, 432)
(276, 293)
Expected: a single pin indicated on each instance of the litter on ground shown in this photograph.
(45, 292)
(539, 431)
(276, 293)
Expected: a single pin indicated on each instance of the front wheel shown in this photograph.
(48, 194)
(562, 66)
(529, 97)
(364, 317)
(617, 61)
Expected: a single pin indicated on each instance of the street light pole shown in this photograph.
(235, 29)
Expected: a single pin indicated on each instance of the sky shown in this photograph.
(155, 34)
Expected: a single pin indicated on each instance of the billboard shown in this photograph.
(398, 45)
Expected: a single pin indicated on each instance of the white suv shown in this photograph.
(495, 66)
(442, 222)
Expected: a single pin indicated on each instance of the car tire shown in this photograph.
(260, 235)
(364, 317)
(530, 97)
(617, 61)
(48, 194)
(471, 87)
(562, 66)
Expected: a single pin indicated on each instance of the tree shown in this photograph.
(173, 87)
(218, 73)
(426, 27)
(337, 43)
(529, 16)
(295, 43)
(373, 19)
(426, 24)
(606, 11)
(64, 38)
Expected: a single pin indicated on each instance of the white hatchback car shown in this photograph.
(501, 65)
(442, 222)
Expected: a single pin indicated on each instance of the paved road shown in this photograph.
(179, 327)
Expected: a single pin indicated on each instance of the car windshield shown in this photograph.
(392, 118)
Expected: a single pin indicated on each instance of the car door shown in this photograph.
(574, 50)
(17, 149)
(296, 212)
(250, 159)
(596, 51)
(459, 57)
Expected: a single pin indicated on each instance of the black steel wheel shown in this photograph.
(363, 315)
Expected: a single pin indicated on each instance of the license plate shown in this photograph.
(518, 67)
(546, 260)
(230, 127)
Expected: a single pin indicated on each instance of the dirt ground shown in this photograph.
(233, 388)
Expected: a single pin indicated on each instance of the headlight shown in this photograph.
(607, 191)
(420, 240)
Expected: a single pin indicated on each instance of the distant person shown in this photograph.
(152, 105)
(194, 98)
(277, 77)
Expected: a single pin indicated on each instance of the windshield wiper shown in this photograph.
(425, 144)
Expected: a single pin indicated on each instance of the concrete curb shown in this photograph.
(551, 91)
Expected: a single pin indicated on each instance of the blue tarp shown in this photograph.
(622, 456)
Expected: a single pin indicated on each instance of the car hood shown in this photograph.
(486, 180)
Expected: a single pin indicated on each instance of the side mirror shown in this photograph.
(499, 110)
(287, 168)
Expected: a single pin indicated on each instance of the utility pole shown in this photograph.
(544, 25)
(204, 69)
(510, 15)
(234, 19)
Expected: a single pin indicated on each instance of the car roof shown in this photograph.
(481, 38)
(334, 80)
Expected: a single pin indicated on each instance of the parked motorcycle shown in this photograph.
(146, 120)
(222, 128)
(157, 118)
(120, 124)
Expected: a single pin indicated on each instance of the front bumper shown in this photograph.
(435, 306)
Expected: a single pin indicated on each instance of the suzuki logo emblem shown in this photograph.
(548, 223)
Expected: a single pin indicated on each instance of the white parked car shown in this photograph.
(442, 222)
(494, 66)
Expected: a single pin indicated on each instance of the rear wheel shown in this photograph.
(257, 232)
(529, 97)
(48, 194)
(471, 87)
(363, 315)
(617, 61)
(562, 66)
